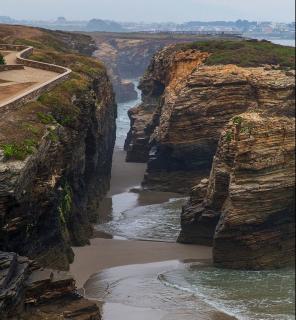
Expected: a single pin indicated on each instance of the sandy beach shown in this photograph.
(108, 253)
(122, 276)
(112, 270)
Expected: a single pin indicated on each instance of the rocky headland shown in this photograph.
(56, 157)
(30, 292)
(55, 165)
(217, 118)
(127, 55)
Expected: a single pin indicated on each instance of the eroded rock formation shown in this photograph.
(28, 291)
(49, 200)
(55, 159)
(246, 208)
(186, 104)
(128, 55)
(227, 130)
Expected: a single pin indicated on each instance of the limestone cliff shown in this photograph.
(246, 208)
(227, 130)
(189, 93)
(127, 56)
(56, 156)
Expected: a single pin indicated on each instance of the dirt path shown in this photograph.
(16, 82)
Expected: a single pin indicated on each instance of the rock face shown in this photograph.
(49, 200)
(56, 156)
(31, 292)
(166, 71)
(246, 208)
(127, 57)
(227, 131)
(186, 105)
(255, 196)
(172, 122)
(125, 90)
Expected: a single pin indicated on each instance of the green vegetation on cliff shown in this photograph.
(56, 107)
(19, 151)
(245, 53)
(2, 60)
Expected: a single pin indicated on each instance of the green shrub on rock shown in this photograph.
(16, 151)
(2, 60)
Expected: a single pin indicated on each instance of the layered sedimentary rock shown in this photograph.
(49, 200)
(189, 93)
(227, 131)
(167, 70)
(246, 208)
(28, 291)
(128, 55)
(55, 159)
(256, 228)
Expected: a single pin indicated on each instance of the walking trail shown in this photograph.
(16, 82)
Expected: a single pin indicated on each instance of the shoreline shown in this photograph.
(103, 254)
(107, 253)
(118, 291)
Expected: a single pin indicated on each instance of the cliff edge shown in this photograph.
(56, 152)
(217, 120)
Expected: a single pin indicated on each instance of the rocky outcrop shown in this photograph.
(166, 71)
(186, 105)
(128, 55)
(56, 156)
(30, 292)
(49, 200)
(252, 188)
(246, 208)
(125, 90)
(227, 131)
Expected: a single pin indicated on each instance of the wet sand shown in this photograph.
(135, 293)
(108, 253)
(117, 311)
(135, 259)
(124, 175)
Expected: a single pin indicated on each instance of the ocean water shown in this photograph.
(129, 212)
(196, 291)
(284, 42)
(248, 295)
(160, 221)
(123, 121)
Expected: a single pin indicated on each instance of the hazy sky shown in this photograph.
(151, 10)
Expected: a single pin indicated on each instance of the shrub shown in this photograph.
(228, 136)
(65, 206)
(2, 60)
(237, 120)
(46, 118)
(19, 151)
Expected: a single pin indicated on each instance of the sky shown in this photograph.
(152, 10)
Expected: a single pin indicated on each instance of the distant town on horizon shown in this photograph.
(255, 28)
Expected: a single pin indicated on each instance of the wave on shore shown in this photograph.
(247, 295)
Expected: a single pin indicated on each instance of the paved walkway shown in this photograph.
(16, 82)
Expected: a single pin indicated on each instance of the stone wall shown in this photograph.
(9, 67)
(24, 53)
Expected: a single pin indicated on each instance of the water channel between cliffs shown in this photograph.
(128, 211)
(148, 280)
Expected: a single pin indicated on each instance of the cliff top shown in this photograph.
(22, 129)
(244, 53)
(47, 39)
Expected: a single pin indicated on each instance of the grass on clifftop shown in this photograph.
(246, 53)
(21, 130)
